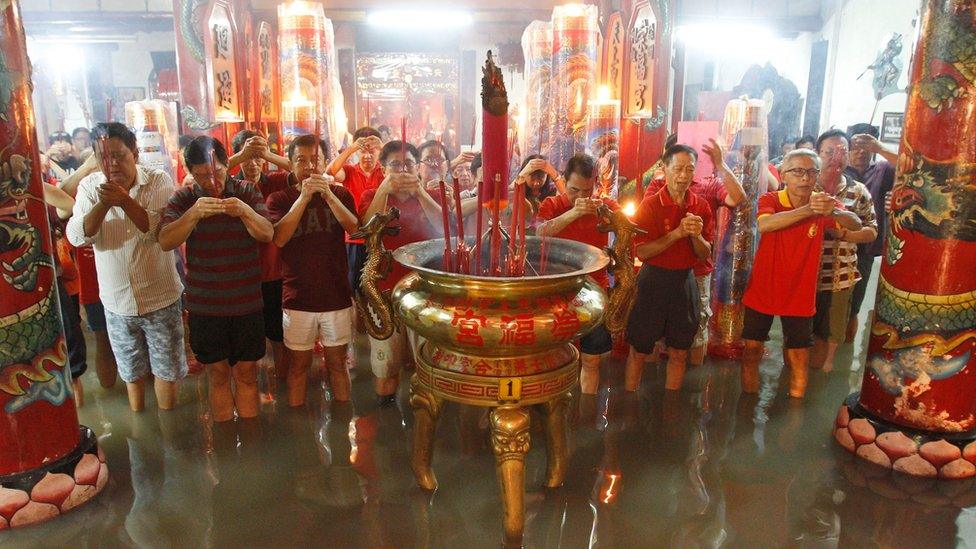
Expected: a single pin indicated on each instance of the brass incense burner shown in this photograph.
(503, 343)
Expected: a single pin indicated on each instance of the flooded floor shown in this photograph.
(703, 467)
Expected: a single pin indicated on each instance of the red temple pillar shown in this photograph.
(48, 463)
(916, 411)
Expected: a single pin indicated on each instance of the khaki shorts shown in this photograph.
(386, 356)
(833, 313)
(302, 328)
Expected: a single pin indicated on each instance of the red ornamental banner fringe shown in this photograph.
(537, 50)
(744, 128)
(575, 37)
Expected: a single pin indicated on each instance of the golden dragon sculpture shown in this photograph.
(621, 254)
(374, 305)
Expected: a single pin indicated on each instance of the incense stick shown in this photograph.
(478, 236)
(447, 227)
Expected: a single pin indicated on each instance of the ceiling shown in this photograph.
(57, 17)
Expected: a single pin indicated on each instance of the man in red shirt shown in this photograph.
(420, 215)
(726, 190)
(358, 178)
(679, 226)
(312, 218)
(572, 215)
(786, 268)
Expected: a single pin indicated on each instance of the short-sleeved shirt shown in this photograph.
(135, 276)
(583, 229)
(838, 265)
(658, 215)
(414, 227)
(713, 192)
(786, 266)
(314, 267)
(879, 179)
(270, 264)
(223, 270)
(357, 182)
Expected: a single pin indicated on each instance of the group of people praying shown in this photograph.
(253, 251)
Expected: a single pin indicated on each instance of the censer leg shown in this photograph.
(426, 410)
(557, 442)
(510, 442)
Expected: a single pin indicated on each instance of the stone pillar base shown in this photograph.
(915, 453)
(56, 488)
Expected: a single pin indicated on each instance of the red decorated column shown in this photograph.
(916, 412)
(48, 464)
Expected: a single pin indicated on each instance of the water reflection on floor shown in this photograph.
(703, 467)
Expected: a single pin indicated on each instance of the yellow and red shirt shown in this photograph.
(787, 263)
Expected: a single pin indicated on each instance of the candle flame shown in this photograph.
(630, 209)
(603, 93)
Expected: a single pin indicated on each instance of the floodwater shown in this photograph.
(703, 467)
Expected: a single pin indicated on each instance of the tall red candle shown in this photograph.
(447, 228)
(479, 224)
(461, 259)
(494, 130)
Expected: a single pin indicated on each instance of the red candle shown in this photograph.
(495, 152)
(496, 229)
(447, 227)
(460, 260)
(478, 226)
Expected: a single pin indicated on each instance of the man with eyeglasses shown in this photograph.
(420, 215)
(312, 217)
(678, 227)
(117, 211)
(725, 189)
(879, 178)
(222, 220)
(793, 222)
(838, 264)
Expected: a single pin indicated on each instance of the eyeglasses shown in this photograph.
(400, 166)
(835, 151)
(812, 173)
(433, 161)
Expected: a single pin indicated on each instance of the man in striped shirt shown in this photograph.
(838, 264)
(117, 211)
(222, 220)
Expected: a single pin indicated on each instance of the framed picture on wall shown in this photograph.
(891, 123)
(125, 94)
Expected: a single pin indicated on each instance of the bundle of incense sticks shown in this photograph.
(403, 138)
(103, 153)
(108, 109)
(318, 139)
(213, 169)
(447, 228)
(461, 260)
(478, 226)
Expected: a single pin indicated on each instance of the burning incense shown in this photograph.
(447, 228)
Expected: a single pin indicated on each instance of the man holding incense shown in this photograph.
(420, 216)
(573, 215)
(312, 217)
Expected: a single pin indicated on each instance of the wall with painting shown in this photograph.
(857, 31)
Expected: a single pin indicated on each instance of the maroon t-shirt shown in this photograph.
(414, 227)
(314, 267)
